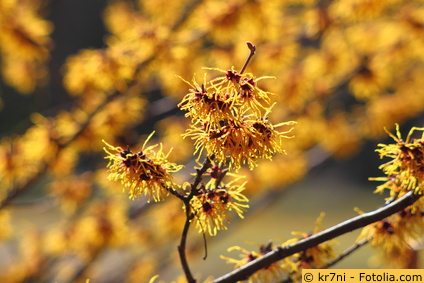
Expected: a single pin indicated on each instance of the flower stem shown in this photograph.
(252, 49)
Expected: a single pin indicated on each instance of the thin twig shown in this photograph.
(199, 174)
(252, 49)
(189, 216)
(182, 245)
(221, 176)
(346, 253)
(282, 252)
(175, 193)
(205, 245)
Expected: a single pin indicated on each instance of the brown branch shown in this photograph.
(282, 252)
(183, 241)
(199, 174)
(344, 254)
(189, 216)
(220, 177)
(175, 193)
(252, 49)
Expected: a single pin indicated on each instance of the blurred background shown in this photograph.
(76, 72)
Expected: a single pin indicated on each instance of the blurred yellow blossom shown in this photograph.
(6, 227)
(24, 44)
(72, 191)
(394, 236)
(269, 274)
(314, 257)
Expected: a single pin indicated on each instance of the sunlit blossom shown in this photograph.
(213, 202)
(405, 170)
(146, 172)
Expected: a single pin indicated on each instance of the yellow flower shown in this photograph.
(95, 71)
(213, 201)
(242, 140)
(203, 102)
(221, 95)
(369, 81)
(230, 119)
(314, 257)
(405, 172)
(146, 172)
(30, 151)
(271, 273)
(361, 9)
(104, 224)
(242, 88)
(395, 234)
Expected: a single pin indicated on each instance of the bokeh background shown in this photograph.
(76, 72)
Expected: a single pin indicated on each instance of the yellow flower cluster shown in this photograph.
(213, 201)
(146, 172)
(405, 172)
(132, 40)
(97, 72)
(24, 44)
(104, 223)
(24, 155)
(108, 123)
(331, 80)
(395, 236)
(230, 120)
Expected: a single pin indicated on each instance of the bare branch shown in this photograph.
(252, 49)
(282, 252)
(182, 245)
(189, 216)
(200, 172)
